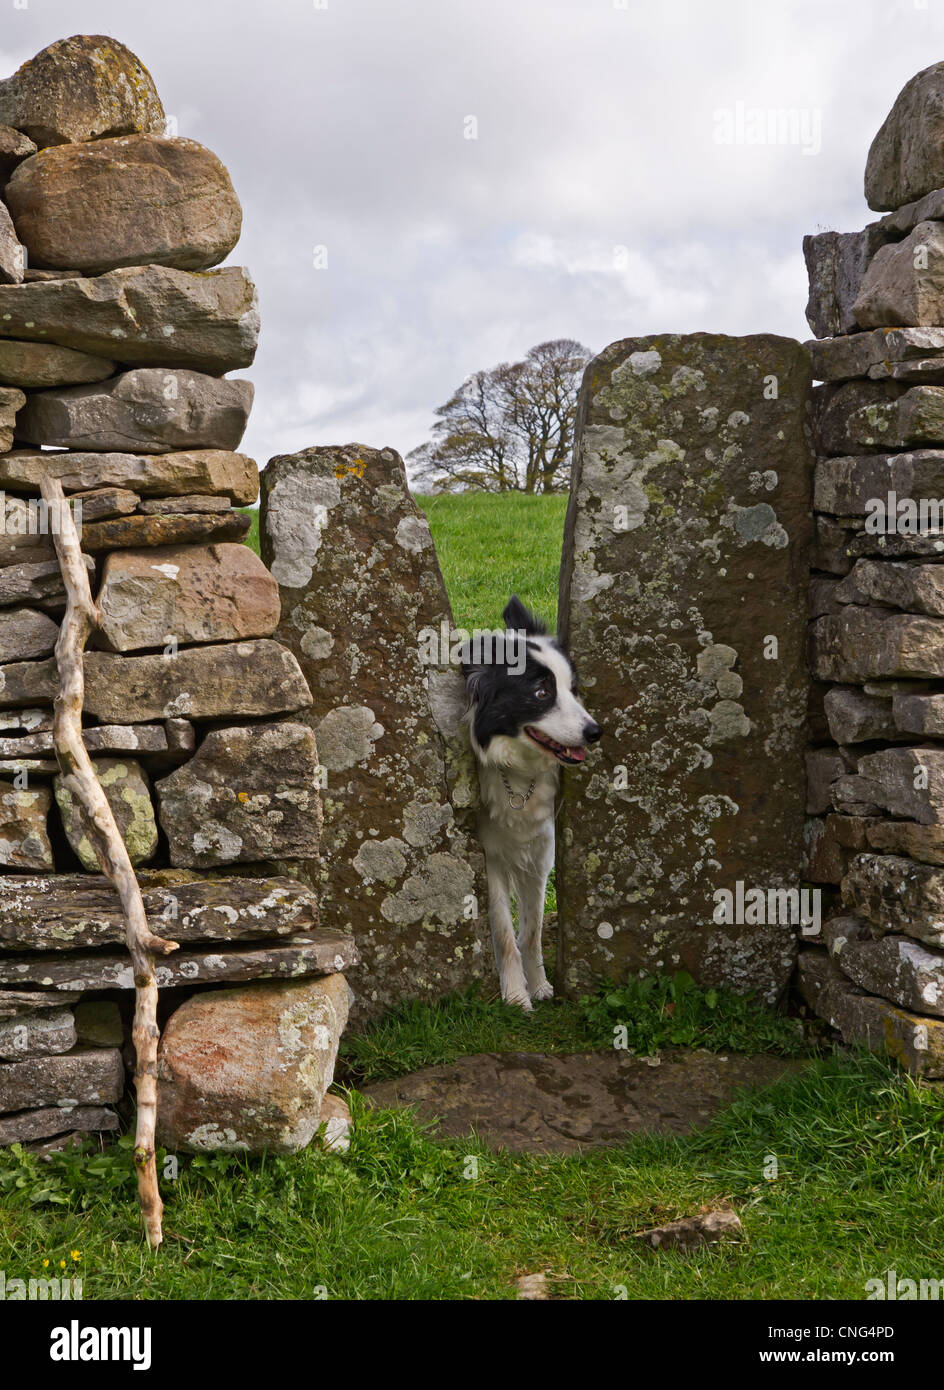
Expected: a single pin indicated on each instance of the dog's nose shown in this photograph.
(591, 732)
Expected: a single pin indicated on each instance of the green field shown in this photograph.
(858, 1146)
(491, 546)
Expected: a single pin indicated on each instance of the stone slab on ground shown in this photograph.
(317, 952)
(543, 1103)
(85, 1076)
(360, 585)
(685, 546)
(65, 912)
(915, 1041)
(246, 1070)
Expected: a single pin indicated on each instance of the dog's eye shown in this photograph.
(542, 693)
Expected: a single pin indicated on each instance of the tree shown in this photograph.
(510, 427)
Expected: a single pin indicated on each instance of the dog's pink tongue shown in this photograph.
(578, 754)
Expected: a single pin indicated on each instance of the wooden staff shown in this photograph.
(78, 774)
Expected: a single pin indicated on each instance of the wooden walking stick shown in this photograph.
(81, 618)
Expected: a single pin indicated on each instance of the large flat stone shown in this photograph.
(246, 1070)
(535, 1103)
(904, 285)
(846, 486)
(104, 739)
(865, 415)
(25, 634)
(924, 842)
(318, 952)
(35, 365)
(148, 410)
(193, 502)
(66, 912)
(215, 593)
(208, 471)
(234, 679)
(131, 532)
(157, 201)
(906, 781)
(86, 1076)
(30, 1125)
(24, 837)
(897, 895)
(685, 546)
(863, 644)
(37, 1034)
(916, 1042)
(19, 1001)
(897, 354)
(128, 790)
(835, 264)
(247, 794)
(906, 158)
(81, 88)
(892, 966)
(913, 588)
(359, 585)
(213, 316)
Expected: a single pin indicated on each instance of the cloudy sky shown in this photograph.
(608, 191)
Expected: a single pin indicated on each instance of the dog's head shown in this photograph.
(522, 703)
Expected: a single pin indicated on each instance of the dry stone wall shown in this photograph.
(875, 840)
(117, 334)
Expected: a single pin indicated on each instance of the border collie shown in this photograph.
(525, 721)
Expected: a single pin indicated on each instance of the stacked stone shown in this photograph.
(876, 768)
(116, 335)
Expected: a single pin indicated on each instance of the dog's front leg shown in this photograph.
(531, 890)
(514, 988)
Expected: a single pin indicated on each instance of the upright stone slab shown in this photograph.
(360, 585)
(683, 601)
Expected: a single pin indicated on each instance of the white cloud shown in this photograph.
(343, 127)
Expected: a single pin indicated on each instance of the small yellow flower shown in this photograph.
(45, 1264)
(62, 1264)
(76, 1255)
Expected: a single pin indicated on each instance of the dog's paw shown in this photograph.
(543, 991)
(519, 998)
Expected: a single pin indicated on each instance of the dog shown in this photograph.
(525, 723)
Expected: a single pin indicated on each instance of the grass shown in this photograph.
(858, 1149)
(494, 545)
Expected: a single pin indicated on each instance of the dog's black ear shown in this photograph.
(517, 618)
